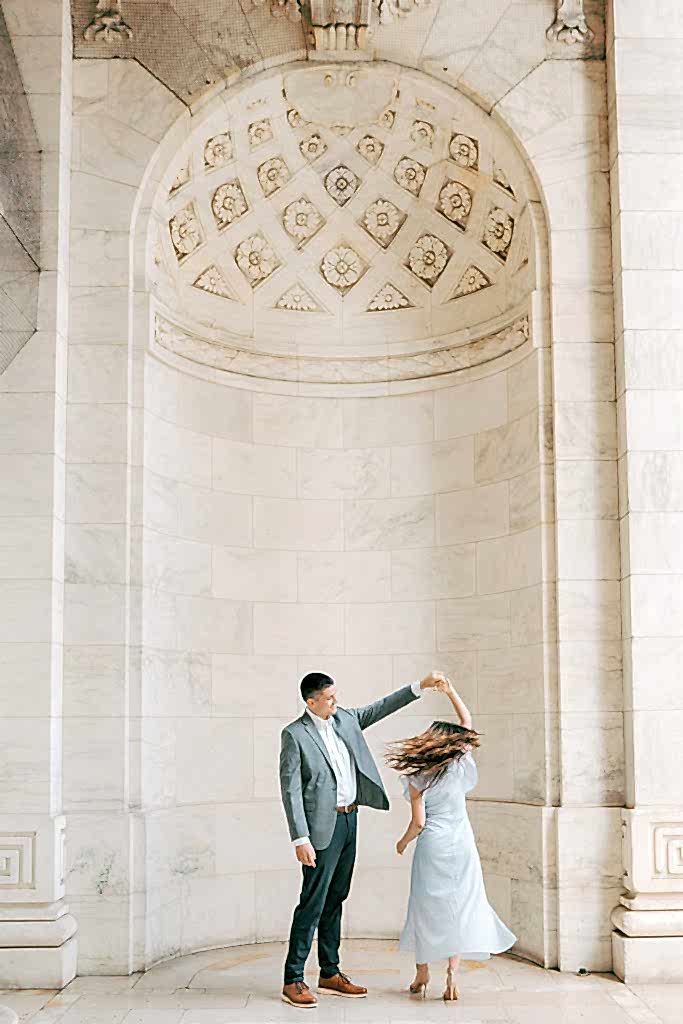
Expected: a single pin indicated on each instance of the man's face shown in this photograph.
(324, 702)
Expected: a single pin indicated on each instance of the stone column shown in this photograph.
(37, 933)
(645, 66)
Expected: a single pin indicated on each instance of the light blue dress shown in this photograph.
(448, 912)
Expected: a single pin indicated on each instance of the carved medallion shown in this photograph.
(342, 267)
(182, 178)
(388, 298)
(341, 183)
(455, 203)
(428, 259)
(212, 280)
(498, 230)
(217, 151)
(313, 147)
(473, 280)
(382, 221)
(422, 133)
(464, 150)
(410, 175)
(186, 232)
(298, 299)
(302, 220)
(256, 259)
(370, 148)
(260, 132)
(272, 175)
(228, 204)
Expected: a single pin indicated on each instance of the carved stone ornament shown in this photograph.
(388, 298)
(256, 259)
(312, 147)
(370, 148)
(341, 183)
(473, 280)
(342, 267)
(570, 25)
(260, 132)
(410, 175)
(382, 221)
(455, 202)
(212, 281)
(217, 151)
(182, 178)
(281, 8)
(298, 299)
(272, 175)
(428, 258)
(498, 229)
(338, 370)
(391, 9)
(108, 25)
(339, 25)
(186, 233)
(423, 133)
(464, 150)
(301, 220)
(228, 204)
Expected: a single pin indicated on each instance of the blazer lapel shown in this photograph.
(315, 736)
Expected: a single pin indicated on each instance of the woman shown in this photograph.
(448, 912)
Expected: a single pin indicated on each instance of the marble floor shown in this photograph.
(240, 986)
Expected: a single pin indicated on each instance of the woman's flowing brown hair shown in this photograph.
(432, 751)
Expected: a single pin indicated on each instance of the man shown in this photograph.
(326, 773)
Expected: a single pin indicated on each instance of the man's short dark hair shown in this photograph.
(314, 682)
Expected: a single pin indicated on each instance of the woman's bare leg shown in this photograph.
(453, 963)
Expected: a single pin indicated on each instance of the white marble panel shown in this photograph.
(27, 423)
(585, 430)
(110, 149)
(389, 523)
(360, 679)
(26, 611)
(586, 489)
(432, 574)
(657, 738)
(509, 563)
(527, 609)
(174, 452)
(252, 837)
(592, 758)
(507, 451)
(589, 610)
(266, 770)
(425, 469)
(99, 313)
(282, 419)
(521, 856)
(26, 544)
(244, 574)
(160, 500)
(98, 855)
(94, 613)
(93, 772)
(141, 101)
(254, 469)
(459, 666)
(494, 758)
(510, 680)
(530, 744)
(655, 674)
(95, 554)
(390, 628)
(471, 408)
(159, 620)
(653, 359)
(345, 576)
(474, 623)
(25, 768)
(209, 624)
(176, 683)
(590, 676)
(307, 525)
(531, 498)
(251, 685)
(656, 605)
(277, 893)
(298, 629)
(651, 241)
(93, 681)
(95, 493)
(654, 420)
(158, 764)
(376, 907)
(180, 841)
(655, 481)
(98, 373)
(214, 760)
(214, 409)
(354, 473)
(98, 257)
(214, 517)
(29, 667)
(523, 385)
(588, 549)
(216, 911)
(583, 373)
(652, 299)
(472, 515)
(377, 422)
(28, 485)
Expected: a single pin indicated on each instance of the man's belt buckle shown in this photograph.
(347, 810)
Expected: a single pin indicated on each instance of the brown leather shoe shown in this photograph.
(340, 985)
(299, 994)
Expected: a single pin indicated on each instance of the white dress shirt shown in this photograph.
(343, 765)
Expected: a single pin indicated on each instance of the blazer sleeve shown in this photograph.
(383, 707)
(291, 786)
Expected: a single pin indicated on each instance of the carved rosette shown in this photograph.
(455, 203)
(186, 232)
(217, 151)
(389, 297)
(464, 150)
(342, 268)
(228, 204)
(313, 147)
(370, 148)
(428, 259)
(410, 175)
(256, 259)
(301, 220)
(272, 175)
(341, 184)
(498, 230)
(423, 133)
(260, 132)
(382, 221)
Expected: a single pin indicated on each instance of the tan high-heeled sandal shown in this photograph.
(419, 989)
(451, 991)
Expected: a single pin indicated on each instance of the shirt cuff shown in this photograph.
(300, 842)
(416, 688)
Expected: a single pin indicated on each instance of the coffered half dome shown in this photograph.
(338, 216)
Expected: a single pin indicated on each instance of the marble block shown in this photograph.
(643, 961)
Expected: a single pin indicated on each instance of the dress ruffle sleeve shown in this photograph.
(418, 781)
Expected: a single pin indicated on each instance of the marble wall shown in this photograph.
(372, 538)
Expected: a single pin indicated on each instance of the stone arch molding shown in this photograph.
(341, 225)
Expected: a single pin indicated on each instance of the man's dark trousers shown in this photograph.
(324, 889)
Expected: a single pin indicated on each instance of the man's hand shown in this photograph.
(305, 854)
(434, 681)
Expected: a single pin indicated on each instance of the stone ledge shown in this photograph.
(642, 960)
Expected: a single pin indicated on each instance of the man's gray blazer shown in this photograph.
(307, 781)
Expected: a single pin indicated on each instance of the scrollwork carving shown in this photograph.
(108, 25)
(570, 25)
